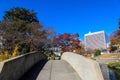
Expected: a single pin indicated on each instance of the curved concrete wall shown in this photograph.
(87, 69)
(13, 69)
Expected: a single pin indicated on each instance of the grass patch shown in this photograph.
(114, 65)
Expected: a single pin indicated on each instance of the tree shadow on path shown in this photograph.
(33, 73)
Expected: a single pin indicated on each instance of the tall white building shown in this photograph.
(96, 40)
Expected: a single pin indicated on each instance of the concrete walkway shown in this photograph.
(55, 70)
(58, 70)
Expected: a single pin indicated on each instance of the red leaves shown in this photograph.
(76, 41)
(66, 36)
(68, 41)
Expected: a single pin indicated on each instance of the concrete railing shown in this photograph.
(106, 61)
(87, 69)
(14, 68)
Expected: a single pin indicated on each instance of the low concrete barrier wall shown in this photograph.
(106, 61)
(14, 68)
(87, 69)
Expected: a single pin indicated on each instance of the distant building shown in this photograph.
(96, 40)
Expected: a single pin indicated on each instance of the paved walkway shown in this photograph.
(55, 70)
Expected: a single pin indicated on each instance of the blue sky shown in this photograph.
(73, 16)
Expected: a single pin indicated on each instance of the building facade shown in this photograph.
(96, 40)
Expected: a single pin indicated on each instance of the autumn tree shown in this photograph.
(115, 40)
(67, 41)
(20, 26)
(30, 36)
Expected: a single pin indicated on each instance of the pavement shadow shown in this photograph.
(33, 73)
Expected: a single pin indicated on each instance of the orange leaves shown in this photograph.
(115, 38)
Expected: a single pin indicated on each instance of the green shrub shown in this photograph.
(114, 64)
(52, 57)
(24, 48)
(48, 53)
(97, 53)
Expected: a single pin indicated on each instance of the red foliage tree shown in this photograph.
(67, 41)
